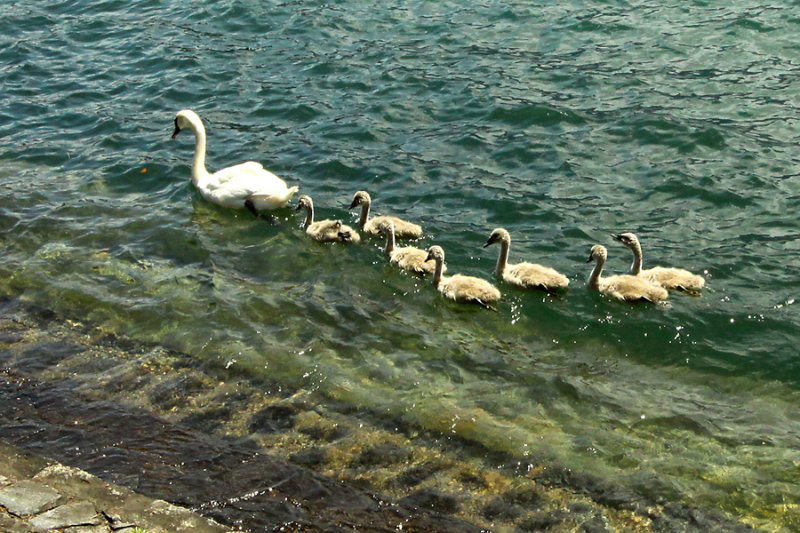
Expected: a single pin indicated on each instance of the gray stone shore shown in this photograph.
(38, 495)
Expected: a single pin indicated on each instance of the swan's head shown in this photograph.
(185, 118)
(360, 198)
(498, 235)
(304, 202)
(628, 239)
(598, 253)
(436, 253)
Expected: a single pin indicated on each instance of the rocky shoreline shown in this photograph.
(253, 457)
(40, 495)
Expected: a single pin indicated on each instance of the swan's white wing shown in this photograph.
(249, 176)
(233, 185)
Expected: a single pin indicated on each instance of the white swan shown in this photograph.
(524, 275)
(402, 228)
(245, 185)
(407, 257)
(462, 289)
(325, 230)
(667, 277)
(624, 286)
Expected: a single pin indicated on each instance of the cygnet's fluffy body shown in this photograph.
(460, 288)
(624, 286)
(524, 275)
(247, 184)
(325, 230)
(402, 229)
(407, 257)
(667, 277)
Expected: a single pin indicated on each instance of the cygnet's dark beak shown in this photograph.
(488, 243)
(591, 257)
(354, 203)
(177, 129)
(299, 207)
(430, 256)
(617, 236)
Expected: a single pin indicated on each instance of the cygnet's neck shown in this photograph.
(502, 259)
(594, 278)
(364, 214)
(636, 267)
(309, 215)
(437, 273)
(390, 242)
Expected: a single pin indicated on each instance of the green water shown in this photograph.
(562, 122)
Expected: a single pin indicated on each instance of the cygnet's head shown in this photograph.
(435, 252)
(498, 235)
(360, 198)
(183, 119)
(304, 201)
(344, 235)
(628, 239)
(598, 253)
(386, 228)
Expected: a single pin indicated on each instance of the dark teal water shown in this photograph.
(561, 121)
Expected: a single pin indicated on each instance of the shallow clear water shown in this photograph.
(563, 122)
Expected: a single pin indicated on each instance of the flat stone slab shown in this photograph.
(69, 515)
(92, 529)
(26, 498)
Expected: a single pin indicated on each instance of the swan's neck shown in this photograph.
(364, 215)
(390, 243)
(636, 267)
(199, 172)
(502, 259)
(594, 278)
(437, 273)
(309, 216)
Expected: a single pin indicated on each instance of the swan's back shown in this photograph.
(414, 260)
(332, 231)
(402, 228)
(532, 275)
(631, 288)
(667, 277)
(325, 230)
(232, 186)
(674, 278)
(468, 289)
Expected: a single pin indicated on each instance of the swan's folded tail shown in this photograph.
(272, 201)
